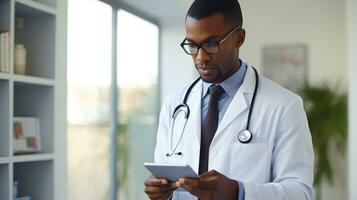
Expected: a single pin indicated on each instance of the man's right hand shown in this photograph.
(159, 189)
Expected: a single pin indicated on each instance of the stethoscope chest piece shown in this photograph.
(245, 136)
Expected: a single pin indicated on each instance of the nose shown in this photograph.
(202, 56)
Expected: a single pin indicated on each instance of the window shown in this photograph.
(90, 70)
(138, 47)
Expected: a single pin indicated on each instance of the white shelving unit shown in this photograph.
(4, 118)
(4, 181)
(36, 184)
(39, 93)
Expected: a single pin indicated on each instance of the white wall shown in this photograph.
(352, 52)
(177, 67)
(320, 24)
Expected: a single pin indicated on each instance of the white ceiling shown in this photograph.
(161, 10)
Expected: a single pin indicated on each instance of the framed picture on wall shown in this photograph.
(286, 65)
(26, 137)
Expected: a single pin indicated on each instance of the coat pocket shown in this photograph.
(250, 162)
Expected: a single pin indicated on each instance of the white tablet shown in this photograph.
(171, 172)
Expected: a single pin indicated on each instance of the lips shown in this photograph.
(204, 67)
(205, 70)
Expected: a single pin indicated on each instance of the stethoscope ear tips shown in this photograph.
(167, 154)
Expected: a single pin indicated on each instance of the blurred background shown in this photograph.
(302, 45)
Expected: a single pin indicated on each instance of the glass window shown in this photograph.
(89, 96)
(89, 79)
(138, 53)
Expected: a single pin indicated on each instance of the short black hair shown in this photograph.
(205, 8)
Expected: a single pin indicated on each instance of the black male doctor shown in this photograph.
(270, 159)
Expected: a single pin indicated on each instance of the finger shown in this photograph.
(189, 184)
(197, 183)
(209, 179)
(152, 181)
(174, 185)
(210, 173)
(193, 182)
(158, 189)
(189, 189)
(206, 183)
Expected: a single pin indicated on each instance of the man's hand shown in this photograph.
(159, 189)
(211, 186)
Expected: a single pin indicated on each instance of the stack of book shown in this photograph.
(4, 51)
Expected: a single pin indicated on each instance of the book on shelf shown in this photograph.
(26, 135)
(15, 193)
(4, 51)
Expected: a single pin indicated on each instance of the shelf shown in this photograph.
(4, 118)
(37, 101)
(33, 80)
(36, 31)
(34, 24)
(4, 76)
(27, 79)
(35, 179)
(4, 181)
(4, 160)
(30, 7)
(32, 157)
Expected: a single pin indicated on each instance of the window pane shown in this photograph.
(138, 101)
(89, 78)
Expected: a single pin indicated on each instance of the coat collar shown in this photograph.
(231, 84)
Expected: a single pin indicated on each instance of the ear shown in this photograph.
(240, 37)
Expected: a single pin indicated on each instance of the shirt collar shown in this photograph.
(231, 84)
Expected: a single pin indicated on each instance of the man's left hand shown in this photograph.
(211, 186)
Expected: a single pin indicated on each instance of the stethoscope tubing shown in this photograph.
(187, 114)
(253, 98)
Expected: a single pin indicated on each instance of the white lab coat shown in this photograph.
(276, 164)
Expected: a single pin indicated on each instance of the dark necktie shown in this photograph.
(209, 126)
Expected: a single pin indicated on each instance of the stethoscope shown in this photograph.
(244, 136)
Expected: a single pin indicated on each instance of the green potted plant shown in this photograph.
(326, 110)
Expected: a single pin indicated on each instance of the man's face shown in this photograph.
(215, 68)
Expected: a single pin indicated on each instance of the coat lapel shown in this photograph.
(239, 103)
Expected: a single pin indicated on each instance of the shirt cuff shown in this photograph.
(241, 193)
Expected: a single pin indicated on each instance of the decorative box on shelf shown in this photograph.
(26, 135)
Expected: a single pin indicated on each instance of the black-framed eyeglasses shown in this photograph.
(209, 47)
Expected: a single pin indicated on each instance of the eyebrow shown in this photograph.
(206, 40)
